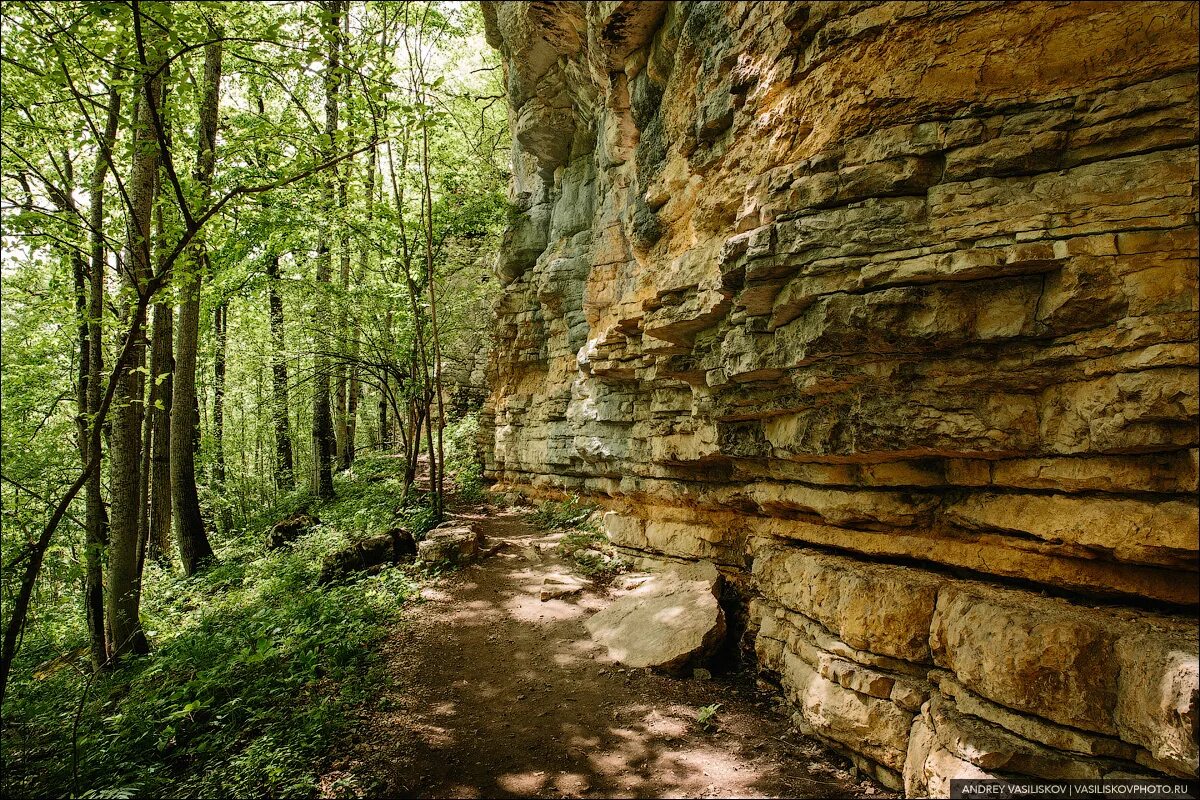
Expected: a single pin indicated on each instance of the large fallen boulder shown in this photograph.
(671, 621)
(369, 555)
(451, 542)
(289, 530)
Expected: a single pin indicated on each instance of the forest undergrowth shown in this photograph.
(247, 247)
(253, 669)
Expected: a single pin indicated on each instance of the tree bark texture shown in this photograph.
(194, 548)
(285, 468)
(322, 426)
(125, 450)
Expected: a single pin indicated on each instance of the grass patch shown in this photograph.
(253, 669)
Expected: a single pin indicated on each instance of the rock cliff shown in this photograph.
(889, 310)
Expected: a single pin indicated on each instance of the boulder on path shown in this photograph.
(451, 542)
(369, 555)
(558, 586)
(289, 530)
(671, 621)
(533, 554)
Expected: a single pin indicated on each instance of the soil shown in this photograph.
(496, 693)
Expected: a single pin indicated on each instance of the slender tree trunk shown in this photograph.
(322, 430)
(126, 440)
(162, 367)
(220, 329)
(144, 475)
(285, 468)
(194, 548)
(125, 534)
(383, 418)
(412, 441)
(96, 517)
(79, 275)
(151, 504)
(437, 465)
(341, 399)
(96, 647)
(344, 423)
(397, 429)
(355, 397)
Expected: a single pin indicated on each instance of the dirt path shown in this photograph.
(498, 694)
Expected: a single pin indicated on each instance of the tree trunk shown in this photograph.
(322, 428)
(383, 419)
(162, 367)
(355, 397)
(125, 456)
(284, 467)
(345, 412)
(93, 585)
(194, 548)
(126, 440)
(96, 517)
(341, 417)
(437, 462)
(157, 536)
(220, 329)
(144, 474)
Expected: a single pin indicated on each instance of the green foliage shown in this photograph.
(462, 458)
(562, 514)
(706, 717)
(586, 549)
(112, 793)
(252, 665)
(591, 553)
(582, 542)
(368, 497)
(469, 479)
(253, 670)
(419, 517)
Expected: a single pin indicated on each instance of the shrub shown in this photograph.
(462, 458)
(252, 672)
(592, 554)
(563, 514)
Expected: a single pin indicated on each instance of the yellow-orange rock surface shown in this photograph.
(890, 311)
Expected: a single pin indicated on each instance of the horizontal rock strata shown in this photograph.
(890, 311)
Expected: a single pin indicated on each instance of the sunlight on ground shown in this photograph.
(525, 703)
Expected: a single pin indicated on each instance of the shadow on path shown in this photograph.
(496, 693)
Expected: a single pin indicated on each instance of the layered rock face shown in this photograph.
(889, 310)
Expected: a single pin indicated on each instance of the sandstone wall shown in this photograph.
(890, 311)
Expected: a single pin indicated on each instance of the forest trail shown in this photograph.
(496, 693)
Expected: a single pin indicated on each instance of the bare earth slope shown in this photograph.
(496, 693)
